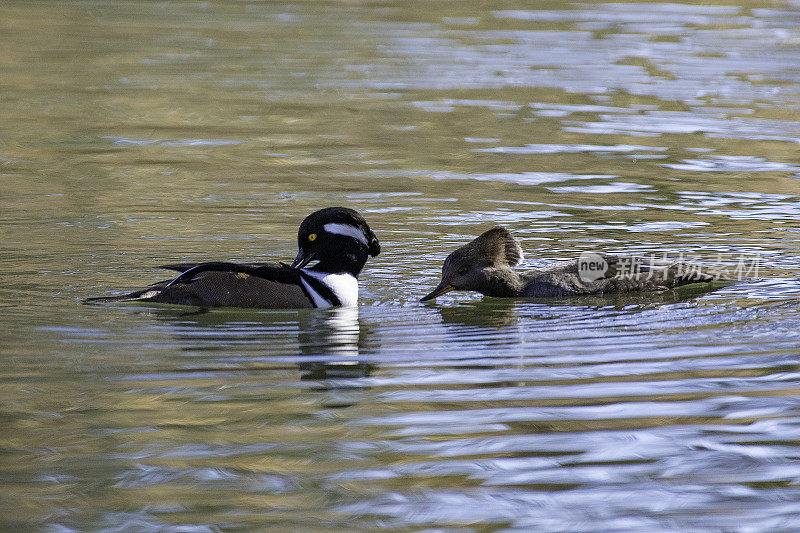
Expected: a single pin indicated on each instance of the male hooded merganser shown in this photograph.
(485, 265)
(337, 237)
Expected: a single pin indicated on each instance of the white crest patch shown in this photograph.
(344, 286)
(348, 230)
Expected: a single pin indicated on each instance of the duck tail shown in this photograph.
(136, 295)
(704, 274)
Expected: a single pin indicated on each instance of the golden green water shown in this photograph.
(139, 133)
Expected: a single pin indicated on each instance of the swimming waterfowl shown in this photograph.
(486, 265)
(338, 238)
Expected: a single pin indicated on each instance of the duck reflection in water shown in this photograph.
(334, 336)
(327, 341)
(496, 313)
(486, 313)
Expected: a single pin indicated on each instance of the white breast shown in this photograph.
(344, 286)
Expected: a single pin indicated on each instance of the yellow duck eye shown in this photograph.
(312, 237)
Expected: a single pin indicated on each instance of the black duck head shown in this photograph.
(339, 238)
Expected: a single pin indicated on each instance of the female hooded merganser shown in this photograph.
(485, 265)
(337, 237)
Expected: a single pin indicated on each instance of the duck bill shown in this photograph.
(438, 291)
(302, 259)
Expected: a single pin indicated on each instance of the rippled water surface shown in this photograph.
(139, 133)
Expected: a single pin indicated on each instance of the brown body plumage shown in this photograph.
(486, 265)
